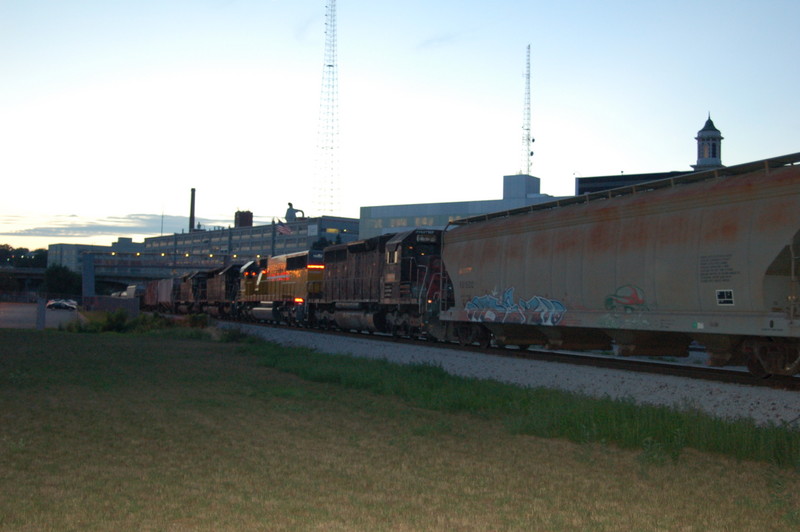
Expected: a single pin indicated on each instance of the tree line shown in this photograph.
(57, 279)
(22, 257)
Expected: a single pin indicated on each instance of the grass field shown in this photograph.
(130, 432)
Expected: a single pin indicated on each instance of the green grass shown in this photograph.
(544, 412)
(160, 431)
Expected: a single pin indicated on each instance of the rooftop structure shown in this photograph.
(518, 191)
(709, 150)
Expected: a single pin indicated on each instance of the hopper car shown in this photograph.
(712, 257)
(709, 258)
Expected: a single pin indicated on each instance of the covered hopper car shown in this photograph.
(712, 257)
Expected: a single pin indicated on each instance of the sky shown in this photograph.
(111, 111)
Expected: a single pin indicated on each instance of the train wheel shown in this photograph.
(756, 368)
(752, 351)
(794, 367)
(484, 338)
(464, 335)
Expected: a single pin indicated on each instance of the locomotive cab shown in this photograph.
(411, 259)
(283, 288)
(192, 293)
(382, 284)
(221, 288)
(412, 280)
(248, 275)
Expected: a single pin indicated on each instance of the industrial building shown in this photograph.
(71, 255)
(518, 191)
(251, 241)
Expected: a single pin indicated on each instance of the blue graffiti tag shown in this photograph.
(534, 311)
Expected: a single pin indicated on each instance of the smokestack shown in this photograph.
(191, 214)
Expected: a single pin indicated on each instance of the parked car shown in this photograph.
(62, 304)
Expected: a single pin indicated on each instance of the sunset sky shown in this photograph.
(111, 111)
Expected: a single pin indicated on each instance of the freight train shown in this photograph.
(709, 258)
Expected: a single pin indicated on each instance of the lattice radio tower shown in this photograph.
(527, 140)
(326, 191)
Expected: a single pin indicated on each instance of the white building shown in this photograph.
(518, 191)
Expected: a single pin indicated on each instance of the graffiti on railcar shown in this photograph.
(537, 310)
(627, 309)
(628, 298)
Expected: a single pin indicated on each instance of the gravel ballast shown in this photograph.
(763, 405)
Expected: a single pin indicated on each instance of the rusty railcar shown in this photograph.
(710, 257)
(160, 295)
(222, 286)
(150, 298)
(191, 293)
(382, 284)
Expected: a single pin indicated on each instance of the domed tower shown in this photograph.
(709, 147)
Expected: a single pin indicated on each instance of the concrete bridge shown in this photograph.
(138, 268)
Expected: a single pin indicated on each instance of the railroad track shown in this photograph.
(655, 367)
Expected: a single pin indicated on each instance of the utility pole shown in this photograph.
(326, 190)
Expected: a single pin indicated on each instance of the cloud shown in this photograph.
(438, 41)
(73, 226)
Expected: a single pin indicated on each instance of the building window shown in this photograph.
(398, 222)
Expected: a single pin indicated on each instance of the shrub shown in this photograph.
(115, 321)
(198, 320)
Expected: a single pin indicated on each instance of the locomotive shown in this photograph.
(711, 258)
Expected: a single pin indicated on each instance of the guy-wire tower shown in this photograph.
(326, 191)
(527, 140)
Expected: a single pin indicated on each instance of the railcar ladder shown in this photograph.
(794, 304)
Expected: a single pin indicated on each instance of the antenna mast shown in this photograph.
(527, 140)
(326, 193)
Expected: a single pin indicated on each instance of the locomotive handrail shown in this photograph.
(691, 177)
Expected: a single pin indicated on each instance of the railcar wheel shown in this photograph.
(794, 367)
(752, 351)
(464, 335)
(756, 368)
(484, 338)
